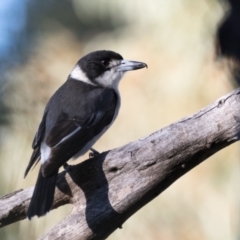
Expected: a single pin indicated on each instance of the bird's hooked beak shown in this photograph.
(125, 66)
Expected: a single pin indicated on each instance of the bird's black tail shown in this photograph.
(43, 195)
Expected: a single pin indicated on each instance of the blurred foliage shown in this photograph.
(48, 17)
(176, 38)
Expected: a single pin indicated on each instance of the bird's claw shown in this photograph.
(93, 153)
(67, 167)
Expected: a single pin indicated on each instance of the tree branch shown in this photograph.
(105, 191)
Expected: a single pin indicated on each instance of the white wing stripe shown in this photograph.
(68, 136)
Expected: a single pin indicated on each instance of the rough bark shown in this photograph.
(105, 191)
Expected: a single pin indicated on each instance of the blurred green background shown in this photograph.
(40, 42)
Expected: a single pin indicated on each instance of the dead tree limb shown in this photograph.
(105, 191)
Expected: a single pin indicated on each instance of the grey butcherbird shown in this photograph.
(76, 116)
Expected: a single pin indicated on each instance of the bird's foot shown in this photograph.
(94, 153)
(67, 167)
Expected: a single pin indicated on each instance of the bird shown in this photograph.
(75, 117)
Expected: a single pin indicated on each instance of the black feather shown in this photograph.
(43, 195)
(36, 145)
(34, 159)
(40, 132)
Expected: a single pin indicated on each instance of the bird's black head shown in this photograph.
(96, 63)
(103, 68)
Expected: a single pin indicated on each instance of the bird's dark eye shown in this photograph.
(105, 62)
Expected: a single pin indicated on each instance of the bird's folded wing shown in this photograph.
(67, 127)
(71, 134)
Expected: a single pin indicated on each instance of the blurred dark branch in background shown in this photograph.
(105, 191)
(229, 37)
